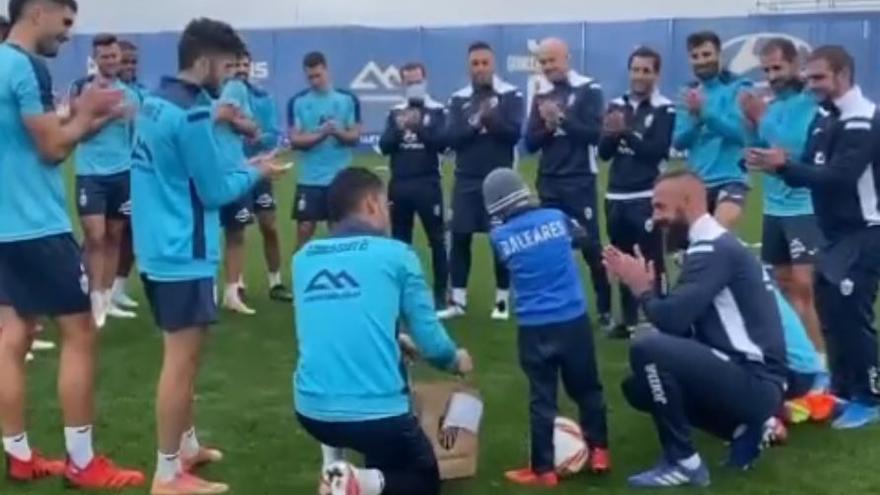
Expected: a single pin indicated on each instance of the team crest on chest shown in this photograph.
(649, 120)
(571, 99)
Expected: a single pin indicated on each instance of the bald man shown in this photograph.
(719, 339)
(565, 125)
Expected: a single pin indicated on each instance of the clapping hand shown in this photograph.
(550, 113)
(694, 100)
(633, 270)
(766, 160)
(614, 122)
(753, 107)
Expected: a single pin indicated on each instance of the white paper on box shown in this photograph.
(465, 411)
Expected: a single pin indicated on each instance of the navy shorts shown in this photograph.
(238, 214)
(44, 277)
(310, 204)
(731, 192)
(263, 197)
(576, 197)
(790, 240)
(182, 304)
(106, 195)
(468, 214)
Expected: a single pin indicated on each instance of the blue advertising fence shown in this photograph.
(365, 60)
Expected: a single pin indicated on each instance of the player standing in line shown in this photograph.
(708, 127)
(352, 289)
(841, 167)
(235, 126)
(325, 124)
(637, 135)
(128, 73)
(484, 124)
(414, 140)
(565, 124)
(554, 330)
(103, 163)
(263, 201)
(791, 235)
(41, 271)
(181, 177)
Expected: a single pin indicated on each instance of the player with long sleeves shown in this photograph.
(181, 177)
(841, 167)
(414, 140)
(555, 335)
(350, 385)
(708, 126)
(483, 127)
(565, 125)
(636, 138)
(719, 339)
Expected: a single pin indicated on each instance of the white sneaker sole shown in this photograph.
(42, 345)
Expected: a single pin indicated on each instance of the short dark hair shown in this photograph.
(4, 27)
(784, 45)
(103, 40)
(411, 66)
(702, 37)
(646, 52)
(127, 45)
(204, 37)
(314, 59)
(838, 59)
(348, 189)
(479, 45)
(16, 7)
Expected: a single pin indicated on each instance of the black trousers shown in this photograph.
(460, 257)
(629, 225)
(395, 446)
(846, 289)
(683, 383)
(545, 353)
(422, 198)
(577, 198)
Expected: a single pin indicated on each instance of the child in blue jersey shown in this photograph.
(350, 384)
(181, 177)
(103, 163)
(325, 126)
(555, 337)
(41, 271)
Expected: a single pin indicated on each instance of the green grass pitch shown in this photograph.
(244, 401)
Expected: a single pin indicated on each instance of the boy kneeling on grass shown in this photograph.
(555, 336)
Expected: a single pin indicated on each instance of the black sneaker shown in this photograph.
(280, 293)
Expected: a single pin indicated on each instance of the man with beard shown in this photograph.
(636, 139)
(41, 272)
(791, 235)
(103, 164)
(485, 121)
(128, 73)
(413, 139)
(565, 124)
(719, 339)
(181, 177)
(841, 167)
(708, 127)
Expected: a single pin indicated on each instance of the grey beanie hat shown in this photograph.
(504, 190)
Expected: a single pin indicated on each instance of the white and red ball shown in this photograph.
(570, 450)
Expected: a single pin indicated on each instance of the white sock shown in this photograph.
(108, 296)
(79, 445)
(97, 298)
(17, 446)
(274, 279)
(502, 296)
(823, 361)
(189, 443)
(119, 285)
(692, 462)
(231, 291)
(331, 455)
(168, 466)
(459, 297)
(241, 281)
(371, 481)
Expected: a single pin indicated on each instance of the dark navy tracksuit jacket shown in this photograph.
(841, 166)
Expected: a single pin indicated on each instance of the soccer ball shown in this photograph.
(570, 451)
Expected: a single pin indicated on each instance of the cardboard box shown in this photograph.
(456, 454)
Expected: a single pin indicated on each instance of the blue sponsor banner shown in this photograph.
(367, 61)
